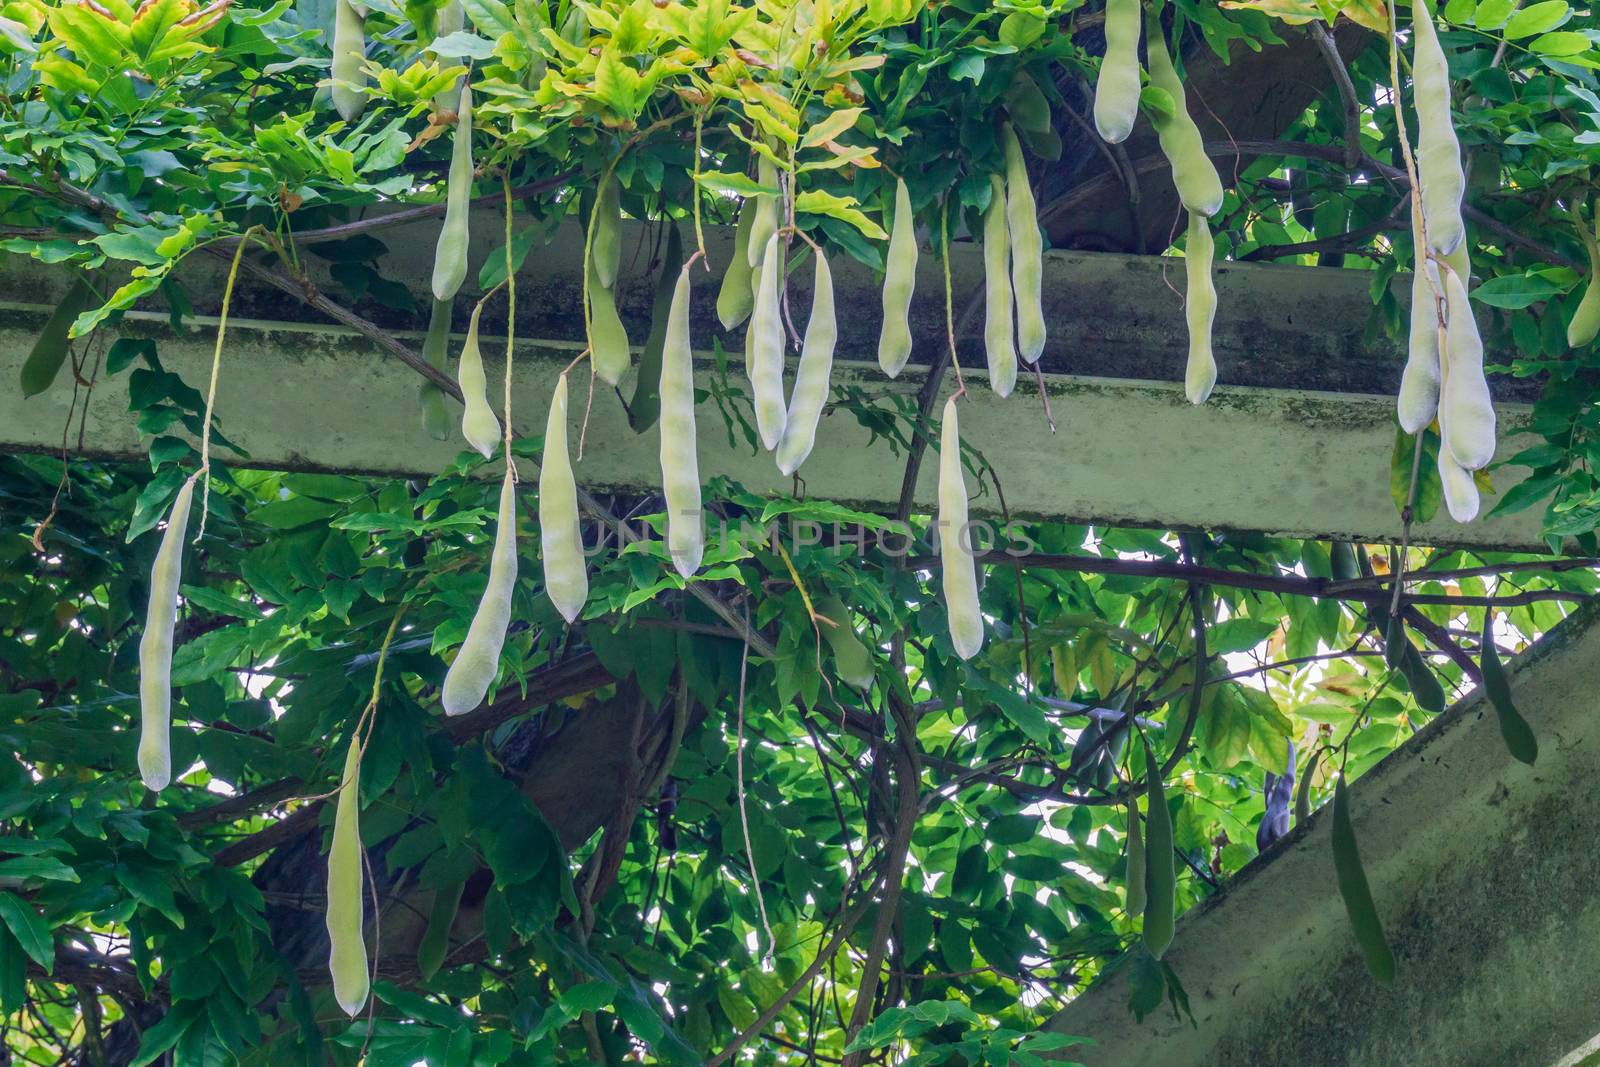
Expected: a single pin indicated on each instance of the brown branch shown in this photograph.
(1347, 91)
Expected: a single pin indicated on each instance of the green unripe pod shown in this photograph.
(49, 351)
(737, 295)
(1439, 170)
(346, 914)
(565, 578)
(955, 543)
(608, 338)
(605, 244)
(1466, 411)
(1193, 173)
(765, 223)
(435, 943)
(436, 350)
(478, 422)
(1161, 876)
(1585, 324)
(349, 52)
(766, 348)
(1357, 894)
(899, 280)
(680, 464)
(1027, 250)
(450, 258)
(1135, 879)
(1199, 309)
(155, 647)
(1116, 91)
(478, 660)
(813, 374)
(851, 658)
(999, 340)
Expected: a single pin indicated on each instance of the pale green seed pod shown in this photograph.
(608, 338)
(606, 244)
(812, 376)
(1466, 411)
(955, 543)
(436, 350)
(349, 52)
(1460, 491)
(478, 422)
(766, 353)
(451, 18)
(1439, 170)
(765, 223)
(1419, 383)
(1116, 91)
(478, 660)
(851, 658)
(1199, 308)
(680, 463)
(737, 295)
(1585, 324)
(1193, 173)
(1027, 251)
(566, 579)
(899, 280)
(155, 647)
(450, 257)
(999, 339)
(346, 914)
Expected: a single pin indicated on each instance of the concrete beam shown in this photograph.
(1483, 872)
(1298, 463)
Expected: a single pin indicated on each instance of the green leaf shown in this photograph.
(1537, 18)
(843, 208)
(1516, 291)
(30, 930)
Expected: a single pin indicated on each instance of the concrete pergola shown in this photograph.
(1480, 866)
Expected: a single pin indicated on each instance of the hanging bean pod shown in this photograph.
(1585, 324)
(766, 348)
(1193, 173)
(436, 350)
(451, 18)
(565, 578)
(1357, 895)
(1466, 411)
(899, 280)
(1439, 168)
(606, 244)
(999, 338)
(1161, 876)
(346, 914)
(349, 52)
(765, 223)
(680, 464)
(450, 258)
(737, 295)
(1199, 308)
(955, 542)
(1135, 879)
(812, 376)
(155, 647)
(1419, 383)
(851, 658)
(1116, 91)
(478, 422)
(608, 338)
(478, 660)
(1027, 250)
(1460, 491)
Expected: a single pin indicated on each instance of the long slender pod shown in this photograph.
(812, 376)
(1585, 324)
(737, 297)
(349, 52)
(851, 658)
(605, 246)
(451, 17)
(49, 351)
(899, 280)
(765, 222)
(955, 542)
(1419, 383)
(478, 659)
(155, 647)
(645, 406)
(346, 914)
(1193, 173)
(1439, 170)
(1466, 411)
(1199, 309)
(1027, 250)
(680, 463)
(1116, 91)
(999, 337)
(1160, 874)
(479, 425)
(565, 578)
(450, 258)
(436, 350)
(608, 338)
(1135, 877)
(766, 351)
(1352, 879)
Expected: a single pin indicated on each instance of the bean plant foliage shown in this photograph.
(763, 810)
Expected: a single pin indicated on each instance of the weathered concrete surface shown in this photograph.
(1127, 452)
(1483, 870)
